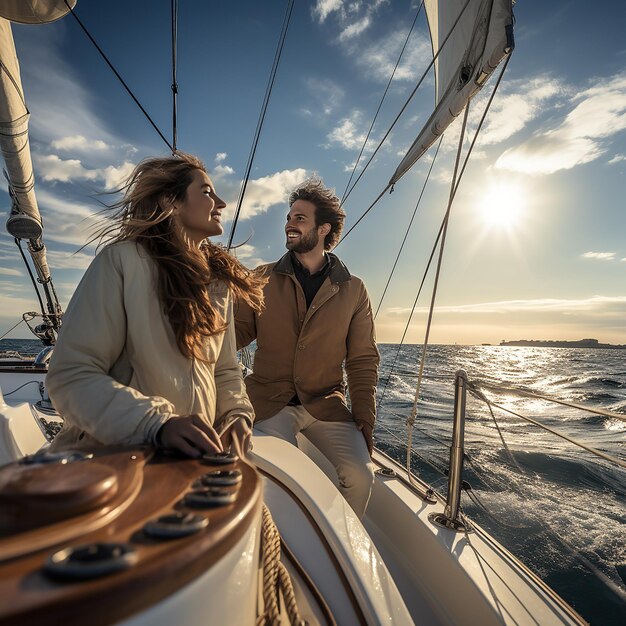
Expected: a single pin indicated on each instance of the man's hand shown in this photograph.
(368, 434)
(238, 434)
(190, 434)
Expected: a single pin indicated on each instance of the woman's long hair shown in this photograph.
(145, 214)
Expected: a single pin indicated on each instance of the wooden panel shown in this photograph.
(152, 487)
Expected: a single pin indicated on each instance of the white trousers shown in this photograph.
(342, 443)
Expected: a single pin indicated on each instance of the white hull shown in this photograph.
(397, 567)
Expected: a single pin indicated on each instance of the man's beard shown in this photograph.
(306, 243)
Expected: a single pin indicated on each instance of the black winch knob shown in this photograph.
(220, 478)
(90, 561)
(209, 498)
(175, 525)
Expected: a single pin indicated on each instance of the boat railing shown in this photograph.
(452, 516)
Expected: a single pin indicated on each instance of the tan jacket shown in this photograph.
(302, 351)
(117, 375)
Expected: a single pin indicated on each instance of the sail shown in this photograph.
(24, 221)
(469, 39)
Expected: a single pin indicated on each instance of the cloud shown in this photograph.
(69, 260)
(347, 134)
(379, 58)
(514, 107)
(323, 8)
(60, 107)
(220, 156)
(618, 158)
(594, 304)
(261, 193)
(54, 169)
(219, 171)
(601, 256)
(79, 143)
(7, 271)
(326, 94)
(114, 177)
(599, 113)
(248, 255)
(67, 221)
(352, 18)
(355, 29)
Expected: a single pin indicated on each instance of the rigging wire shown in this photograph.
(406, 104)
(595, 451)
(118, 76)
(406, 234)
(18, 243)
(465, 162)
(257, 132)
(174, 81)
(423, 432)
(12, 328)
(573, 405)
(437, 468)
(411, 419)
(358, 159)
(371, 206)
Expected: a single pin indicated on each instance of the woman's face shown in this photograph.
(200, 212)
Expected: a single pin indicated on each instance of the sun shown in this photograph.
(502, 206)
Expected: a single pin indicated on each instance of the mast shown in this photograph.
(24, 222)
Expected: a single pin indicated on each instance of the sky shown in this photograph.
(536, 245)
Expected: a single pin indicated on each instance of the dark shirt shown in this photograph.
(310, 283)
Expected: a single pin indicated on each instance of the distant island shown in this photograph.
(581, 343)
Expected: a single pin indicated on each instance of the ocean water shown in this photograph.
(557, 507)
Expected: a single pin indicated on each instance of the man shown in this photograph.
(317, 317)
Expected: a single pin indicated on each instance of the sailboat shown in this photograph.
(131, 536)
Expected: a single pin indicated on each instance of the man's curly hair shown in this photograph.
(327, 207)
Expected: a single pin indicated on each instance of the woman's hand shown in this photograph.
(190, 434)
(238, 434)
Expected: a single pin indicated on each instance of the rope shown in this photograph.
(128, 90)
(358, 159)
(573, 405)
(174, 82)
(257, 132)
(406, 104)
(406, 234)
(594, 451)
(275, 578)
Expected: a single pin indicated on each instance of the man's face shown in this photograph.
(302, 233)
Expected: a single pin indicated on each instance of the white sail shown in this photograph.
(24, 221)
(467, 50)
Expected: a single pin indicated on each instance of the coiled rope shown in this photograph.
(276, 578)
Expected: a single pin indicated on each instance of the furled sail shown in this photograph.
(24, 220)
(469, 39)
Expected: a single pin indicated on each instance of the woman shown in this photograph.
(146, 353)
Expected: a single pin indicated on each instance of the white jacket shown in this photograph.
(117, 375)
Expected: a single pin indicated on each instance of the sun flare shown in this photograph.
(502, 206)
